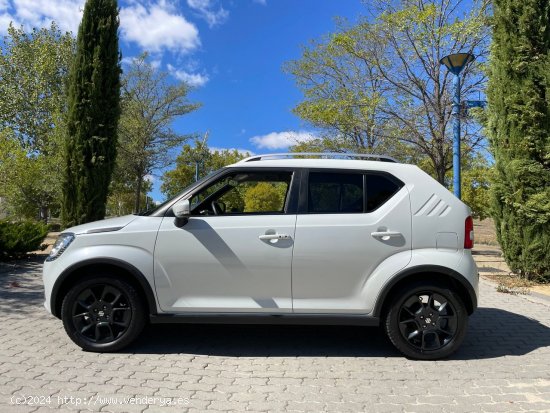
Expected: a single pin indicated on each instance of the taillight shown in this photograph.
(469, 233)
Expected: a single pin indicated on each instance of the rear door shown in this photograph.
(350, 222)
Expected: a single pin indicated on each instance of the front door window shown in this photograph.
(244, 193)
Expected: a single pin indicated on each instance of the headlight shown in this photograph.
(63, 241)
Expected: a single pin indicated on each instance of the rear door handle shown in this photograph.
(386, 234)
(268, 237)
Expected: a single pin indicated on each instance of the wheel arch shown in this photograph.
(427, 273)
(126, 271)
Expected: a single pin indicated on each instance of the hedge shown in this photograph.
(18, 238)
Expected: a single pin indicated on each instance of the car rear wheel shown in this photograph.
(102, 314)
(426, 321)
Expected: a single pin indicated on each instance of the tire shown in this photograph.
(103, 314)
(426, 321)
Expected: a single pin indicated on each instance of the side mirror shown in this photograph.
(182, 212)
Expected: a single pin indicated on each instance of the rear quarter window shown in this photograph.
(380, 188)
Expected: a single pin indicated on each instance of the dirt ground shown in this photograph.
(484, 232)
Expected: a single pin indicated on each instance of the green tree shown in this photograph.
(122, 193)
(265, 197)
(519, 132)
(476, 182)
(93, 114)
(33, 69)
(150, 104)
(183, 175)
(378, 85)
(29, 182)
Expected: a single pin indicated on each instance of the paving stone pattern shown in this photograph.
(503, 365)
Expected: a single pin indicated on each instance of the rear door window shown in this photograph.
(336, 193)
(348, 193)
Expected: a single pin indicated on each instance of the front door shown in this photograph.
(235, 252)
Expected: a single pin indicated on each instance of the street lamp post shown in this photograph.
(455, 63)
(200, 155)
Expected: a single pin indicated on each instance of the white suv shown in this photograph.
(283, 238)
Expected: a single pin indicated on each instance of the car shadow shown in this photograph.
(492, 333)
(19, 291)
(30, 263)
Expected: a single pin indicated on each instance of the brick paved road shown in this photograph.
(504, 364)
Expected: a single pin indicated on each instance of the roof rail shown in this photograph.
(324, 155)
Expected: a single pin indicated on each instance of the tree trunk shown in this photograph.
(440, 173)
(44, 214)
(138, 196)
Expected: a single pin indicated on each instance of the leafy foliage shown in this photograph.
(476, 182)
(265, 197)
(122, 192)
(519, 131)
(378, 86)
(183, 175)
(17, 238)
(149, 106)
(94, 110)
(27, 181)
(33, 69)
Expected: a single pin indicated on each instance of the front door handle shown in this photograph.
(386, 235)
(269, 237)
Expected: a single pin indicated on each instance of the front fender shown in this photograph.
(133, 260)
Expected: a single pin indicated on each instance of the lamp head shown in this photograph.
(457, 61)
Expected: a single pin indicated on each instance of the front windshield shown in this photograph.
(151, 211)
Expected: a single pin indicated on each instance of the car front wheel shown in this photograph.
(426, 321)
(102, 314)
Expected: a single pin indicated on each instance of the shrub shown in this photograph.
(17, 238)
(54, 227)
(519, 131)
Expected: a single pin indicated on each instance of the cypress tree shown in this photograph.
(519, 132)
(93, 113)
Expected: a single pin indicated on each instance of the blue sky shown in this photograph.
(232, 51)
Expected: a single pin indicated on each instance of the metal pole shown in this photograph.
(456, 137)
(196, 171)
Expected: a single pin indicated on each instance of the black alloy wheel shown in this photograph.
(426, 322)
(102, 314)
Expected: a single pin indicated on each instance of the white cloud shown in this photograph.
(5, 20)
(158, 26)
(281, 140)
(192, 79)
(206, 9)
(154, 25)
(154, 63)
(40, 13)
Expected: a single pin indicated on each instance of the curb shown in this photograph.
(533, 297)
